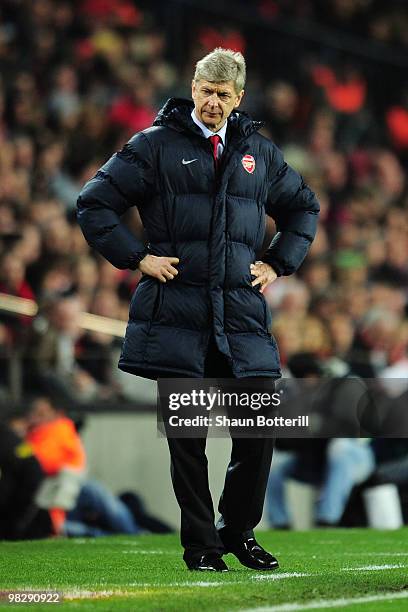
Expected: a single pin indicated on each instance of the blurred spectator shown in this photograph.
(13, 282)
(64, 100)
(397, 124)
(20, 479)
(78, 505)
(59, 450)
(97, 349)
(71, 497)
(54, 438)
(334, 465)
(52, 353)
(346, 462)
(12, 277)
(133, 111)
(294, 458)
(392, 461)
(280, 112)
(349, 462)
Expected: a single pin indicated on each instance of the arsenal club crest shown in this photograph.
(249, 163)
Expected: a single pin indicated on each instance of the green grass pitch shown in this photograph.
(353, 569)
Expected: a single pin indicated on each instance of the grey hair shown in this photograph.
(222, 65)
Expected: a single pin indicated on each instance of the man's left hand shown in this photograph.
(265, 275)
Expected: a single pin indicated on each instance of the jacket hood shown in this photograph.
(176, 113)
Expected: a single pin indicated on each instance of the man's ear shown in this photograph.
(239, 98)
(193, 87)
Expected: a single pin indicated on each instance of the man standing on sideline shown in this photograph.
(203, 178)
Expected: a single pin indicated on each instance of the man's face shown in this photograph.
(41, 411)
(214, 102)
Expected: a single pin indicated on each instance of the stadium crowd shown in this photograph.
(79, 77)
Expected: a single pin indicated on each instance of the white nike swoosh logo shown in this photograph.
(188, 161)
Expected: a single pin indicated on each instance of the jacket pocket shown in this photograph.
(146, 301)
(267, 322)
(158, 301)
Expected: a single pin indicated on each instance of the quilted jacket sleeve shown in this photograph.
(125, 180)
(295, 209)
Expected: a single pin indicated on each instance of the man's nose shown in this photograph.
(213, 100)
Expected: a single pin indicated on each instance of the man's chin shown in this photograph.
(212, 122)
(212, 118)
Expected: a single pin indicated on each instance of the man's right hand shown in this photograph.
(159, 267)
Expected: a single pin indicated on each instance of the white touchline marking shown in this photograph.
(372, 568)
(199, 583)
(117, 592)
(286, 607)
(337, 554)
(280, 576)
(88, 594)
(83, 594)
(374, 554)
(269, 576)
(149, 552)
(149, 585)
(328, 603)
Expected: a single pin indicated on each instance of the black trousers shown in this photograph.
(242, 499)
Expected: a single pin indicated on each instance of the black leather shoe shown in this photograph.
(210, 562)
(249, 553)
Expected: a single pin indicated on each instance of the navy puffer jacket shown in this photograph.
(214, 223)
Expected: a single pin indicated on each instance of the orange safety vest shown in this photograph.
(57, 445)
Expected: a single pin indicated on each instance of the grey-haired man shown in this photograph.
(204, 179)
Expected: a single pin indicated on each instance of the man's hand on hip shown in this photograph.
(161, 268)
(265, 275)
